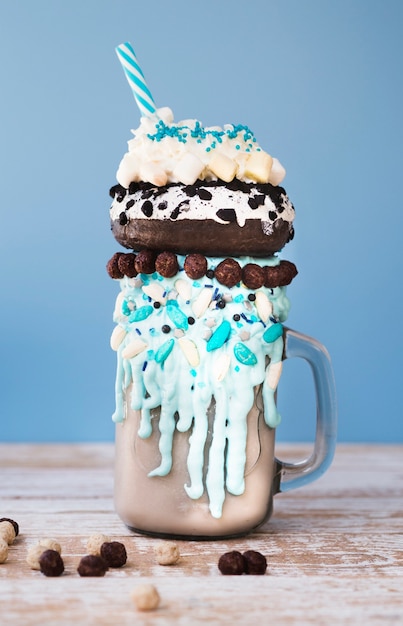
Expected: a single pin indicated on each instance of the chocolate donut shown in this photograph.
(207, 217)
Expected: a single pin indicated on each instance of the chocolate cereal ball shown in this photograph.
(145, 261)
(253, 276)
(126, 264)
(92, 565)
(255, 562)
(112, 267)
(228, 272)
(114, 553)
(166, 264)
(195, 266)
(51, 563)
(231, 563)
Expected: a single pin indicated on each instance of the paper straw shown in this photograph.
(136, 80)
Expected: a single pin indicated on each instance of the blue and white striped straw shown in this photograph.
(136, 80)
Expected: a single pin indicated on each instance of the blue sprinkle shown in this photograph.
(138, 331)
(246, 319)
(144, 366)
(209, 286)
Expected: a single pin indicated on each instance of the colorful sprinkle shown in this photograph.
(141, 314)
(219, 336)
(244, 355)
(164, 351)
(273, 332)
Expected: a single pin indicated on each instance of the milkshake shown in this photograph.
(199, 327)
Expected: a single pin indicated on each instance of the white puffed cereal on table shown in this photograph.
(145, 597)
(7, 532)
(167, 553)
(3, 550)
(35, 551)
(95, 542)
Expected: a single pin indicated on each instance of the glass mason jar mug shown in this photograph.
(209, 470)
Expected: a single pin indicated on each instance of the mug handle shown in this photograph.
(292, 475)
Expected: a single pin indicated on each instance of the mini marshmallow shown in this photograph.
(258, 166)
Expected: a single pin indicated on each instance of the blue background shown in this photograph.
(320, 84)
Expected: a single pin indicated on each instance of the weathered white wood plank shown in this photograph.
(334, 548)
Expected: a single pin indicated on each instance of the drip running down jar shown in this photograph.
(217, 477)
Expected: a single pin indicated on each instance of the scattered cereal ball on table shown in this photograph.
(50, 544)
(232, 563)
(95, 542)
(114, 553)
(92, 565)
(7, 531)
(167, 553)
(255, 562)
(35, 551)
(145, 597)
(51, 563)
(13, 522)
(3, 550)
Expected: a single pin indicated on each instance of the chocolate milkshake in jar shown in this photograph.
(200, 334)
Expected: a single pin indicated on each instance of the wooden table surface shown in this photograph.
(334, 548)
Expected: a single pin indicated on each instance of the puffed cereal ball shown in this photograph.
(7, 532)
(145, 597)
(35, 551)
(95, 542)
(167, 553)
(3, 550)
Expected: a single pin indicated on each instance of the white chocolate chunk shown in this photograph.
(133, 348)
(221, 366)
(277, 172)
(153, 173)
(273, 374)
(263, 305)
(188, 169)
(117, 336)
(258, 166)
(184, 289)
(190, 351)
(201, 303)
(155, 292)
(223, 167)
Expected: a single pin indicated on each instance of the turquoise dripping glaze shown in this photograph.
(162, 376)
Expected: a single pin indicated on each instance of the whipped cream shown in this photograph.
(163, 152)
